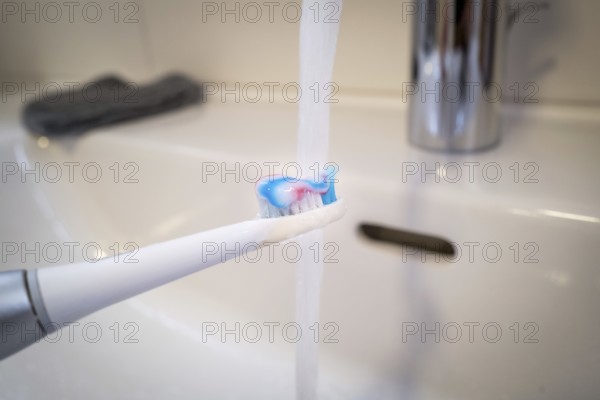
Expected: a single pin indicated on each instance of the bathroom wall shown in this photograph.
(553, 45)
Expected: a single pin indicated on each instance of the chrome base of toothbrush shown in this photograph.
(20, 325)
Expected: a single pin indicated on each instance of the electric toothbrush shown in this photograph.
(37, 302)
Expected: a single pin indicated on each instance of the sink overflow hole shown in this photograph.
(404, 238)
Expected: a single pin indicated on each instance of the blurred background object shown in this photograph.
(551, 46)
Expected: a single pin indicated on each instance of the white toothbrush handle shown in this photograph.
(71, 292)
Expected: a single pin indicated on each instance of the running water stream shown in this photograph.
(318, 37)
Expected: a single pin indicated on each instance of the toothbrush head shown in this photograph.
(283, 196)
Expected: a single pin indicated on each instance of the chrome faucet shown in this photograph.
(457, 62)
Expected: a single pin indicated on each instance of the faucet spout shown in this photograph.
(457, 62)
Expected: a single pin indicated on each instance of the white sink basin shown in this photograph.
(543, 293)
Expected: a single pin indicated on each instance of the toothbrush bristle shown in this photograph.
(309, 202)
